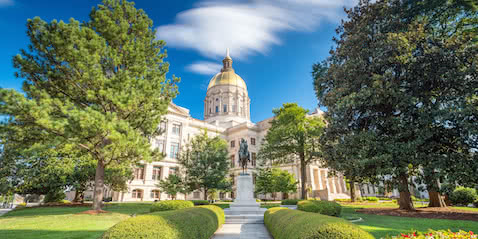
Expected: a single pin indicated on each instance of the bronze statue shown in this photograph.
(244, 156)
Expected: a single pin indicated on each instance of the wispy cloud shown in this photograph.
(4, 3)
(204, 67)
(246, 28)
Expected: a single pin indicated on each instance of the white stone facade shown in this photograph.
(227, 114)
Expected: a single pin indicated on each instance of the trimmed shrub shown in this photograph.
(289, 202)
(54, 196)
(285, 223)
(170, 205)
(197, 222)
(329, 208)
(342, 200)
(371, 199)
(64, 201)
(463, 196)
(200, 202)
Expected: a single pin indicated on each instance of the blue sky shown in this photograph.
(273, 43)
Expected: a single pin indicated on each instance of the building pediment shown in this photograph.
(177, 110)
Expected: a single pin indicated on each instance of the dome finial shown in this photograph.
(227, 52)
(227, 62)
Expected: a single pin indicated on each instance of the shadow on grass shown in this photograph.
(49, 234)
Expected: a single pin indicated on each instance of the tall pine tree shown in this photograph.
(98, 86)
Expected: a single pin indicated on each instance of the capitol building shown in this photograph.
(227, 114)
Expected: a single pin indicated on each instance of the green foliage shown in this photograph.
(197, 222)
(168, 205)
(390, 110)
(289, 202)
(475, 203)
(206, 163)
(372, 199)
(285, 223)
(200, 202)
(96, 89)
(64, 201)
(173, 185)
(463, 196)
(293, 134)
(271, 180)
(329, 208)
(54, 196)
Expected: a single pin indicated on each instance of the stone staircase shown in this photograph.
(245, 213)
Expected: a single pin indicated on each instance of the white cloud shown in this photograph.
(246, 27)
(204, 67)
(4, 3)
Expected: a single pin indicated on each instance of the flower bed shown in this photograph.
(438, 235)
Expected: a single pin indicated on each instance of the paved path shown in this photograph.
(3, 211)
(242, 231)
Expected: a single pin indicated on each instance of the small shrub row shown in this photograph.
(329, 208)
(475, 203)
(371, 199)
(437, 234)
(200, 202)
(197, 222)
(170, 205)
(289, 201)
(285, 223)
(463, 196)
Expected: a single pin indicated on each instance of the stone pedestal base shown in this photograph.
(245, 209)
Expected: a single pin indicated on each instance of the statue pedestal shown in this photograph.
(245, 191)
(244, 209)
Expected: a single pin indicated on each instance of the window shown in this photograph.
(174, 150)
(210, 110)
(233, 161)
(233, 143)
(160, 145)
(225, 108)
(156, 173)
(173, 171)
(222, 195)
(139, 172)
(137, 193)
(217, 99)
(217, 109)
(196, 195)
(253, 160)
(253, 178)
(253, 141)
(176, 129)
(233, 108)
(155, 194)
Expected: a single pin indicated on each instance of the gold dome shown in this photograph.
(227, 78)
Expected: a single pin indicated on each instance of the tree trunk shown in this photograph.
(205, 194)
(405, 201)
(99, 185)
(447, 200)
(303, 177)
(435, 199)
(352, 191)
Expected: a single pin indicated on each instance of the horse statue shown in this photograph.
(244, 155)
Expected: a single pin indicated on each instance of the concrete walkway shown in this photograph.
(3, 210)
(242, 231)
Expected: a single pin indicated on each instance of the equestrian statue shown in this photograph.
(244, 155)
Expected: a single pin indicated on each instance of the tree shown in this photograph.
(205, 163)
(293, 136)
(99, 87)
(172, 185)
(395, 85)
(264, 181)
(284, 181)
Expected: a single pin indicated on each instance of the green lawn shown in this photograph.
(381, 226)
(64, 222)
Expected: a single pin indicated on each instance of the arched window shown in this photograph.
(225, 108)
(155, 194)
(137, 193)
(217, 109)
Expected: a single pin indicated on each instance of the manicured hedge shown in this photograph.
(197, 222)
(371, 199)
(329, 208)
(289, 202)
(463, 196)
(170, 205)
(200, 202)
(285, 223)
